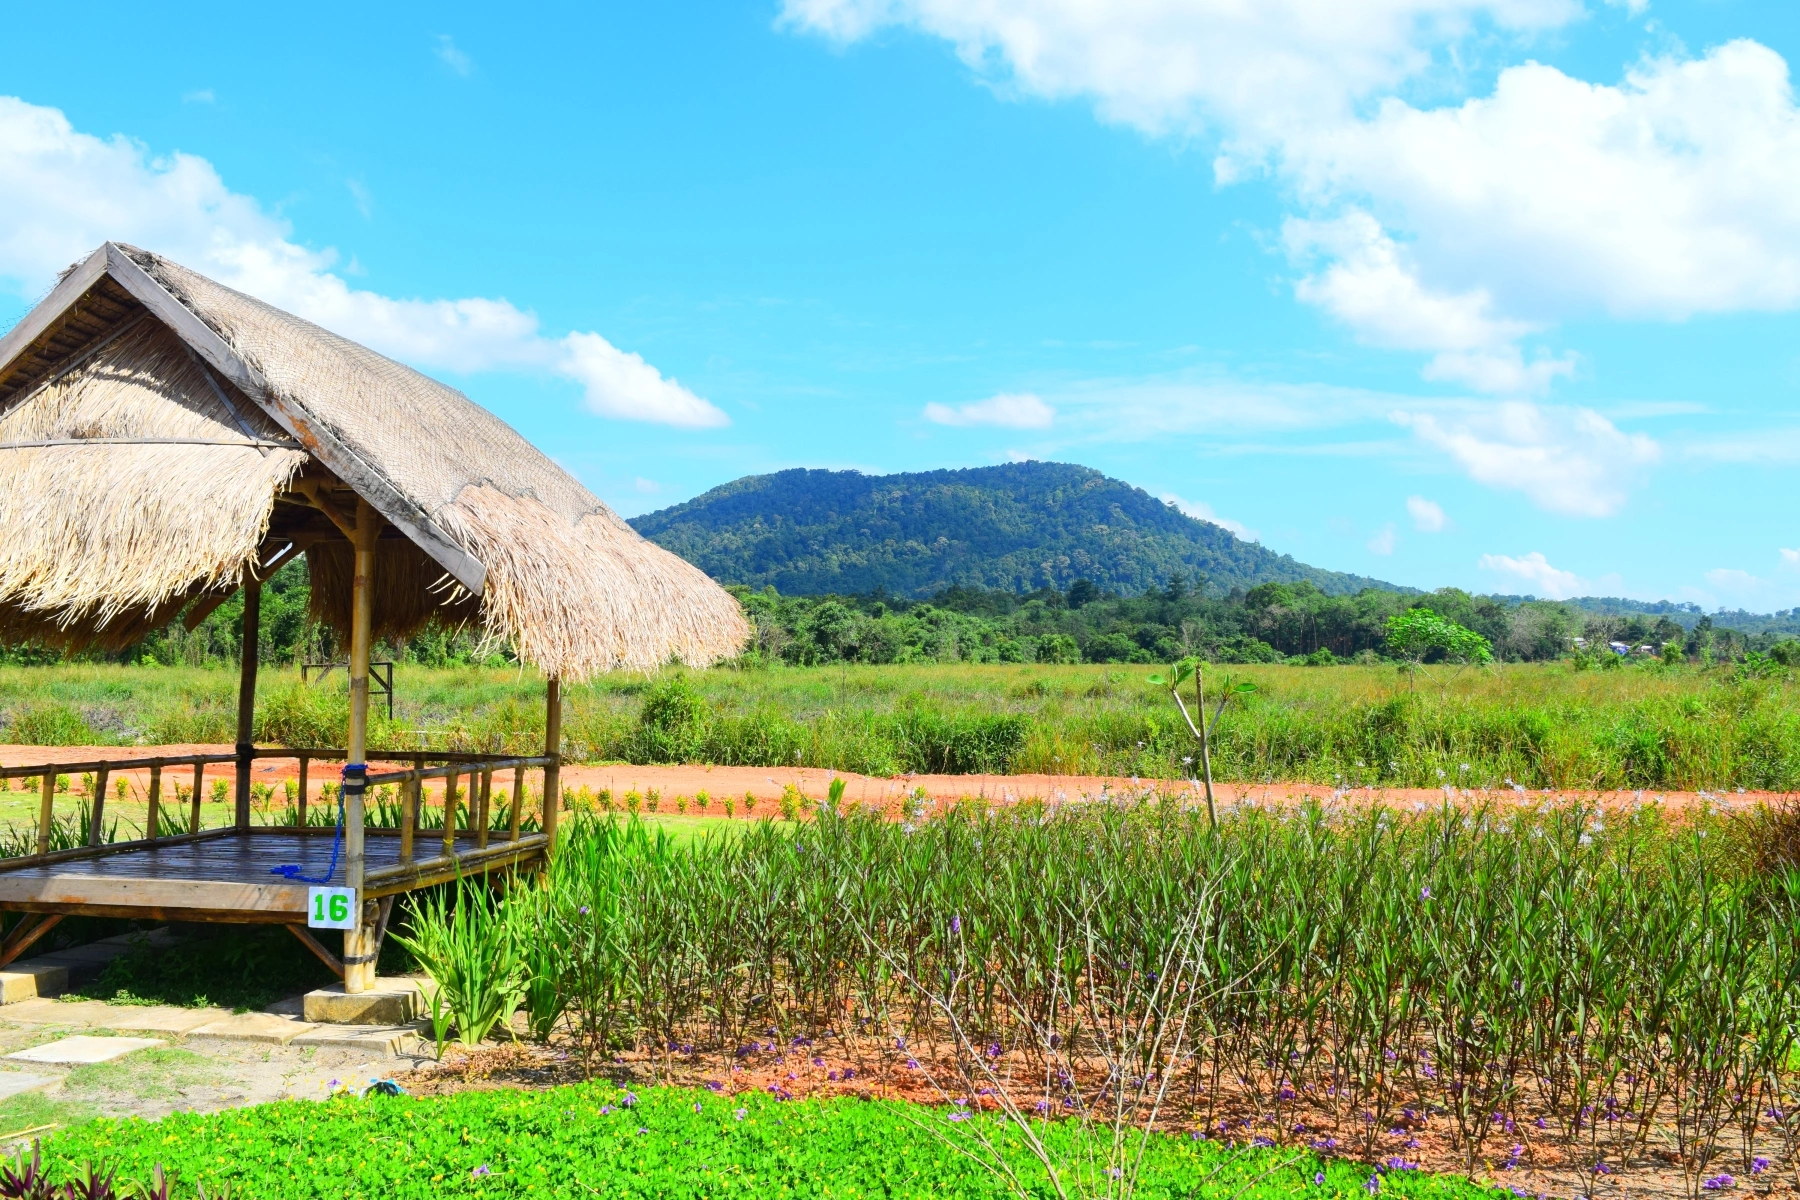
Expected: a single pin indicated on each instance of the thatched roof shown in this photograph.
(160, 434)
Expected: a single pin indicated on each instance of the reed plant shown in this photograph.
(1548, 986)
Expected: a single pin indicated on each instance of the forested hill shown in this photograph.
(1015, 527)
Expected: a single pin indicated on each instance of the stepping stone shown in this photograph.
(58, 1012)
(17, 1083)
(158, 1018)
(254, 1027)
(82, 1049)
(373, 1040)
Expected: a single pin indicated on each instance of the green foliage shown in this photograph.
(1417, 632)
(672, 722)
(1016, 527)
(1466, 961)
(597, 1140)
(242, 968)
(469, 943)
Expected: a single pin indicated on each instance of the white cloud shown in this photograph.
(1535, 571)
(451, 57)
(621, 384)
(1567, 460)
(646, 487)
(1383, 543)
(1165, 65)
(1790, 558)
(1456, 231)
(1427, 515)
(63, 192)
(1673, 193)
(1735, 582)
(1371, 284)
(1009, 410)
(1204, 512)
(198, 96)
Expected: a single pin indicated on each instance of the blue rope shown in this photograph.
(292, 870)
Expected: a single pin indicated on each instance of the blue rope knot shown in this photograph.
(355, 776)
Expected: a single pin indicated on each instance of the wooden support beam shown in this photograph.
(97, 809)
(194, 800)
(46, 807)
(25, 933)
(300, 820)
(552, 751)
(518, 802)
(153, 818)
(409, 817)
(359, 959)
(246, 713)
(449, 815)
(481, 808)
(317, 947)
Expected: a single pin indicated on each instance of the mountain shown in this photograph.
(1016, 527)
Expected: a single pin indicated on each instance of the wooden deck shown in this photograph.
(228, 874)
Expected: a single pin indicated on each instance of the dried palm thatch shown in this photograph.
(106, 539)
(496, 530)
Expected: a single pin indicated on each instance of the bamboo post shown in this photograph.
(46, 805)
(518, 801)
(409, 816)
(153, 818)
(552, 751)
(98, 808)
(450, 814)
(481, 812)
(194, 800)
(246, 714)
(300, 818)
(359, 943)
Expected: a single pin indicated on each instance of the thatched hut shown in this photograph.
(165, 440)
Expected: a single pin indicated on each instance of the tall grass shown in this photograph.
(1540, 725)
(1543, 984)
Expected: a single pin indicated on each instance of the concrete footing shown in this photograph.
(390, 1002)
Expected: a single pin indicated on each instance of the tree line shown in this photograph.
(1085, 623)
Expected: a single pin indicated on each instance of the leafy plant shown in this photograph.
(468, 943)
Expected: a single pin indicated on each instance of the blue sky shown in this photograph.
(1494, 293)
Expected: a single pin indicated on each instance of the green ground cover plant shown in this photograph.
(1538, 986)
(1548, 725)
(594, 1139)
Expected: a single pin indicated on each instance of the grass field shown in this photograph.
(1541, 725)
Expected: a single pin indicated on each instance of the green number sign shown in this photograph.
(330, 908)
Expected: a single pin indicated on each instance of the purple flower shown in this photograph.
(696, 1106)
(955, 924)
(1718, 1183)
(1261, 1142)
(628, 1100)
(1758, 1165)
(584, 910)
(1600, 1168)
(642, 1130)
(606, 1110)
(899, 1043)
(715, 1085)
(1373, 1185)
(1318, 1179)
(481, 1170)
(740, 1114)
(1399, 1164)
(1425, 892)
(912, 1064)
(959, 1116)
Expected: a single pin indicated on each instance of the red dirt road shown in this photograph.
(890, 794)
